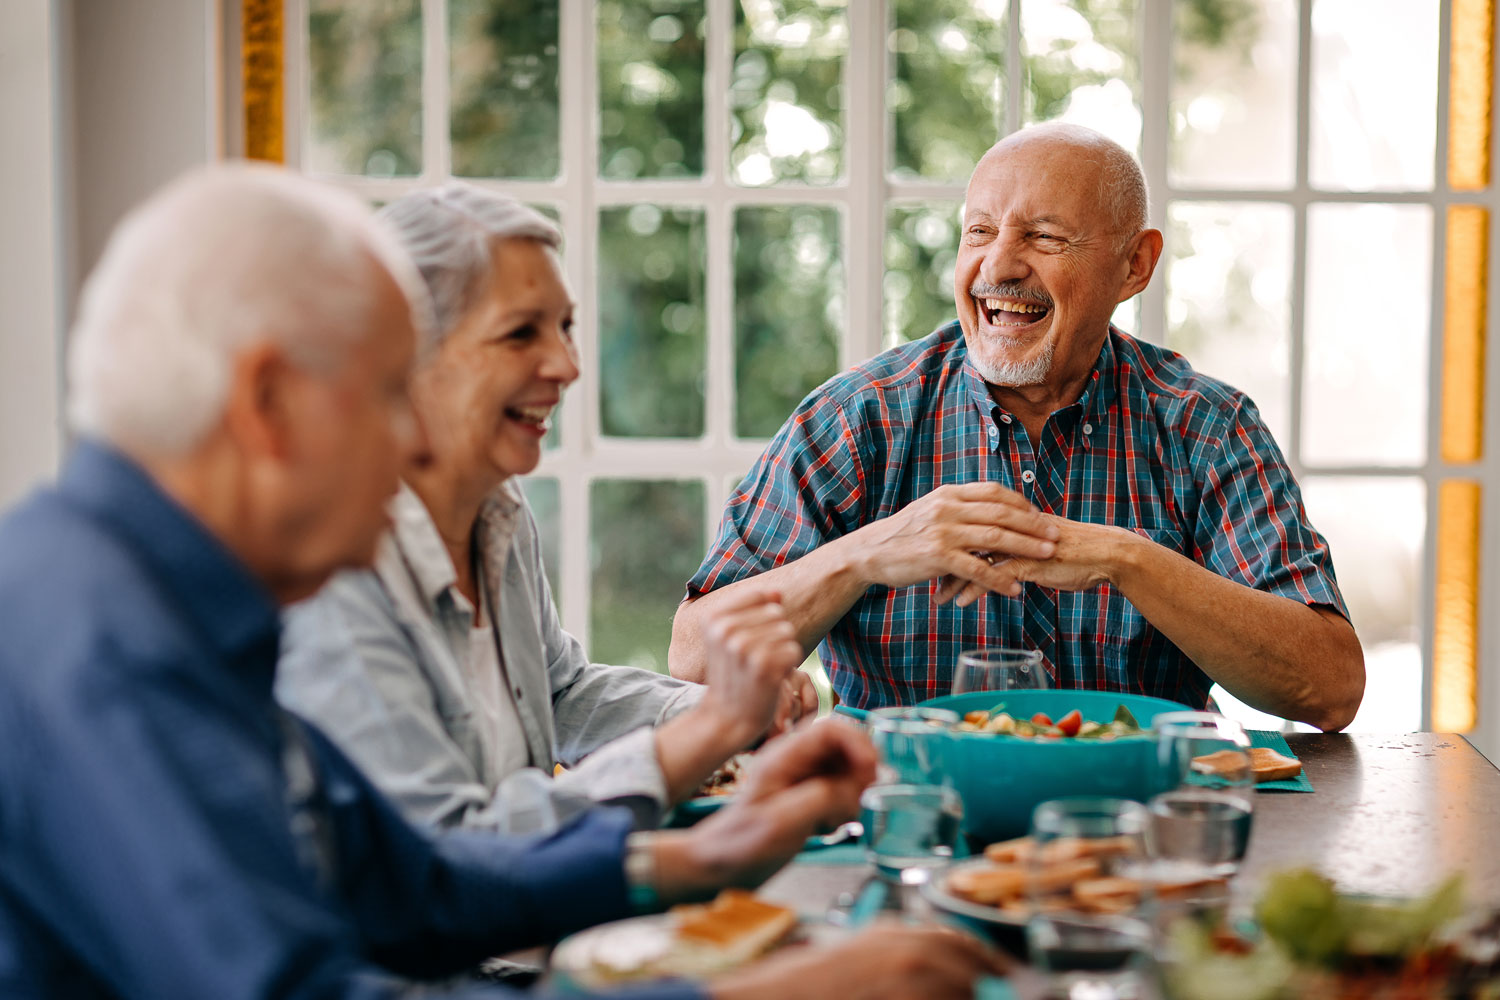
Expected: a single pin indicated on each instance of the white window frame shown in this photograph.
(864, 195)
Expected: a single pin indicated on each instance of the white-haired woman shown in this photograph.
(444, 672)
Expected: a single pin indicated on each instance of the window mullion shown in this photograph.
(865, 153)
(718, 217)
(578, 98)
(436, 151)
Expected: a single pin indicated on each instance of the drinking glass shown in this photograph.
(911, 815)
(1200, 823)
(1000, 670)
(1089, 931)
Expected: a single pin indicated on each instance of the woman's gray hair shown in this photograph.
(450, 233)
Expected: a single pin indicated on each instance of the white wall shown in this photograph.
(101, 102)
(33, 222)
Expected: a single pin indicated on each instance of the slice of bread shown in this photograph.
(736, 925)
(1268, 765)
(1265, 764)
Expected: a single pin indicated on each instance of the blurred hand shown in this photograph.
(752, 656)
(885, 962)
(959, 533)
(798, 700)
(808, 781)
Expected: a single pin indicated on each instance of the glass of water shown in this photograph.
(911, 816)
(1090, 932)
(1000, 670)
(1200, 823)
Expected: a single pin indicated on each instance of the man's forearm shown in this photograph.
(816, 591)
(1273, 653)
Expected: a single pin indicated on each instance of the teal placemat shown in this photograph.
(1273, 740)
(990, 988)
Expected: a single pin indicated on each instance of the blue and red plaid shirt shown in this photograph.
(1150, 445)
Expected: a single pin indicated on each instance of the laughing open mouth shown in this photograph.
(1011, 312)
(537, 416)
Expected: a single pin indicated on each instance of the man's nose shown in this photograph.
(1003, 260)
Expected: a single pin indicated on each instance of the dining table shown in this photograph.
(1389, 815)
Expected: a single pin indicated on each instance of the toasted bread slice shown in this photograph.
(1265, 764)
(988, 886)
(736, 925)
(1268, 765)
(1010, 852)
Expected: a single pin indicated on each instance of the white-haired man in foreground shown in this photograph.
(238, 382)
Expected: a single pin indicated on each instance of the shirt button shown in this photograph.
(1028, 476)
(1005, 418)
(1088, 428)
(994, 431)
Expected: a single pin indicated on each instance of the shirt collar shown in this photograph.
(234, 610)
(422, 548)
(1098, 390)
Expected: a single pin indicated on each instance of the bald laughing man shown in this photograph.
(1031, 476)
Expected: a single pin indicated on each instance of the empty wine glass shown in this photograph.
(1200, 823)
(1089, 931)
(1000, 670)
(911, 815)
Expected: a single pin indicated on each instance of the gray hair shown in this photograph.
(450, 233)
(222, 258)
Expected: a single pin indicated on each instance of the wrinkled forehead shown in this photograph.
(1039, 180)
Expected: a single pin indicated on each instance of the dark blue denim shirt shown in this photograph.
(154, 843)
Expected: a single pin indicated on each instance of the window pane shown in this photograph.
(1365, 344)
(650, 88)
(543, 493)
(1228, 291)
(1374, 94)
(1083, 65)
(365, 61)
(948, 54)
(921, 249)
(1375, 528)
(786, 97)
(651, 321)
(645, 541)
(788, 310)
(503, 75)
(1233, 108)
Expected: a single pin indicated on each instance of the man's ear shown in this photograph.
(1141, 254)
(259, 410)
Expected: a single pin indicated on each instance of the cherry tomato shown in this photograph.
(1070, 723)
(1041, 719)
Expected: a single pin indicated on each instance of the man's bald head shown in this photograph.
(1122, 186)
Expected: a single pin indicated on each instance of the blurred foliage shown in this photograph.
(786, 95)
(645, 541)
(366, 66)
(921, 249)
(1229, 25)
(651, 321)
(544, 495)
(947, 94)
(788, 310)
(786, 102)
(503, 118)
(651, 60)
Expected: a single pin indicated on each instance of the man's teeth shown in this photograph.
(534, 414)
(998, 305)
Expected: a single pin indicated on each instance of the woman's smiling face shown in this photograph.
(487, 395)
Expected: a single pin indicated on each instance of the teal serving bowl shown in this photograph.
(1002, 779)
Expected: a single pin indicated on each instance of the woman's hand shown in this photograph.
(752, 678)
(807, 782)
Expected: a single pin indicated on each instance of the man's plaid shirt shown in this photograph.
(1150, 445)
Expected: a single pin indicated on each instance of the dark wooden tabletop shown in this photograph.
(1389, 815)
